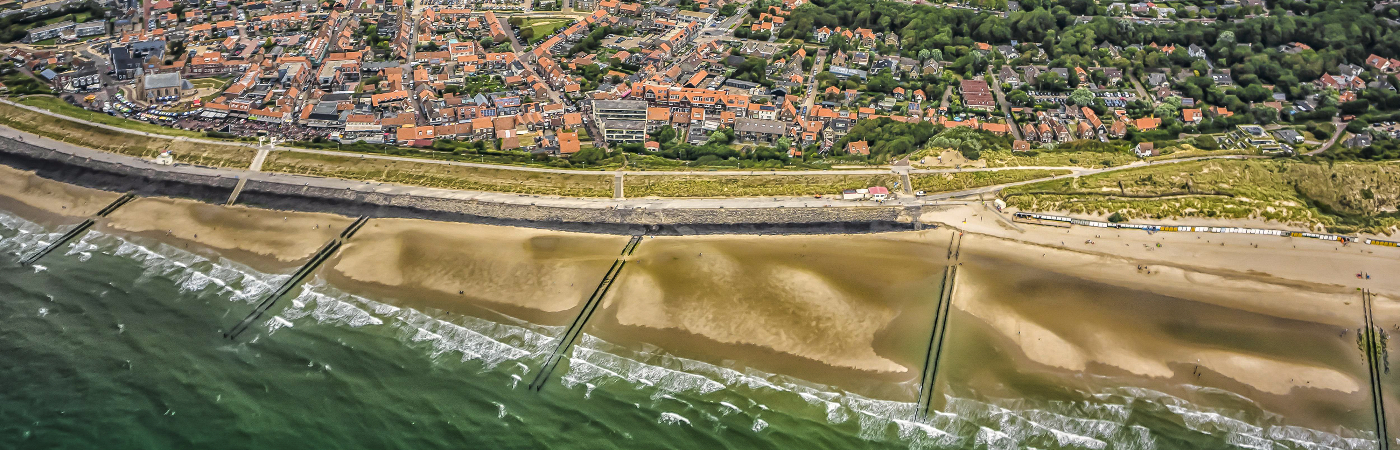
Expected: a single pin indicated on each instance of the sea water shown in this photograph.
(116, 342)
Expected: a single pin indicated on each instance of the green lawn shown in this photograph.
(543, 27)
(211, 83)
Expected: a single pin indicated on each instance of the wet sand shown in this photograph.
(25, 189)
(1049, 329)
(521, 272)
(268, 237)
(823, 308)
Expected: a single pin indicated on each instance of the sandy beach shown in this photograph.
(516, 270)
(30, 190)
(281, 236)
(1292, 262)
(835, 300)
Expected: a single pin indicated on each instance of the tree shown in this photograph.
(1019, 97)
(884, 82)
(1082, 97)
(1263, 114)
(1051, 81)
(1164, 110)
(664, 134)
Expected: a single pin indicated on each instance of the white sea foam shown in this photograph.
(672, 419)
(25, 236)
(759, 425)
(277, 323)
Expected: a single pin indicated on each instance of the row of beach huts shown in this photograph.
(1046, 219)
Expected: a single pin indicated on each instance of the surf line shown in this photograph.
(940, 330)
(576, 327)
(77, 230)
(295, 280)
(1373, 365)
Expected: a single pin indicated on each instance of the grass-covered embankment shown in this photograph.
(1342, 197)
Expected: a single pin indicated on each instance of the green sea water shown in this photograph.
(116, 342)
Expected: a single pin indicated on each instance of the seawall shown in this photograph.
(121, 173)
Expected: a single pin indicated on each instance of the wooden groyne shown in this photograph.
(297, 277)
(1374, 366)
(927, 382)
(77, 230)
(576, 327)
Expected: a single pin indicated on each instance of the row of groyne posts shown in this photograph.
(562, 346)
(1372, 343)
(929, 376)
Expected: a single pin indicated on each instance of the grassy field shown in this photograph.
(749, 185)
(440, 175)
(948, 182)
(208, 83)
(1188, 151)
(1344, 197)
(124, 143)
(57, 105)
(1007, 158)
(543, 27)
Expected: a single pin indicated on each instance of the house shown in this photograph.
(1008, 76)
(1358, 141)
(1147, 123)
(1020, 146)
(1191, 115)
(1288, 136)
(1195, 51)
(879, 193)
(759, 130)
(1145, 149)
(977, 95)
(858, 148)
(568, 143)
(1155, 79)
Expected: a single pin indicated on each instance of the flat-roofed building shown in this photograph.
(620, 110)
(624, 131)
